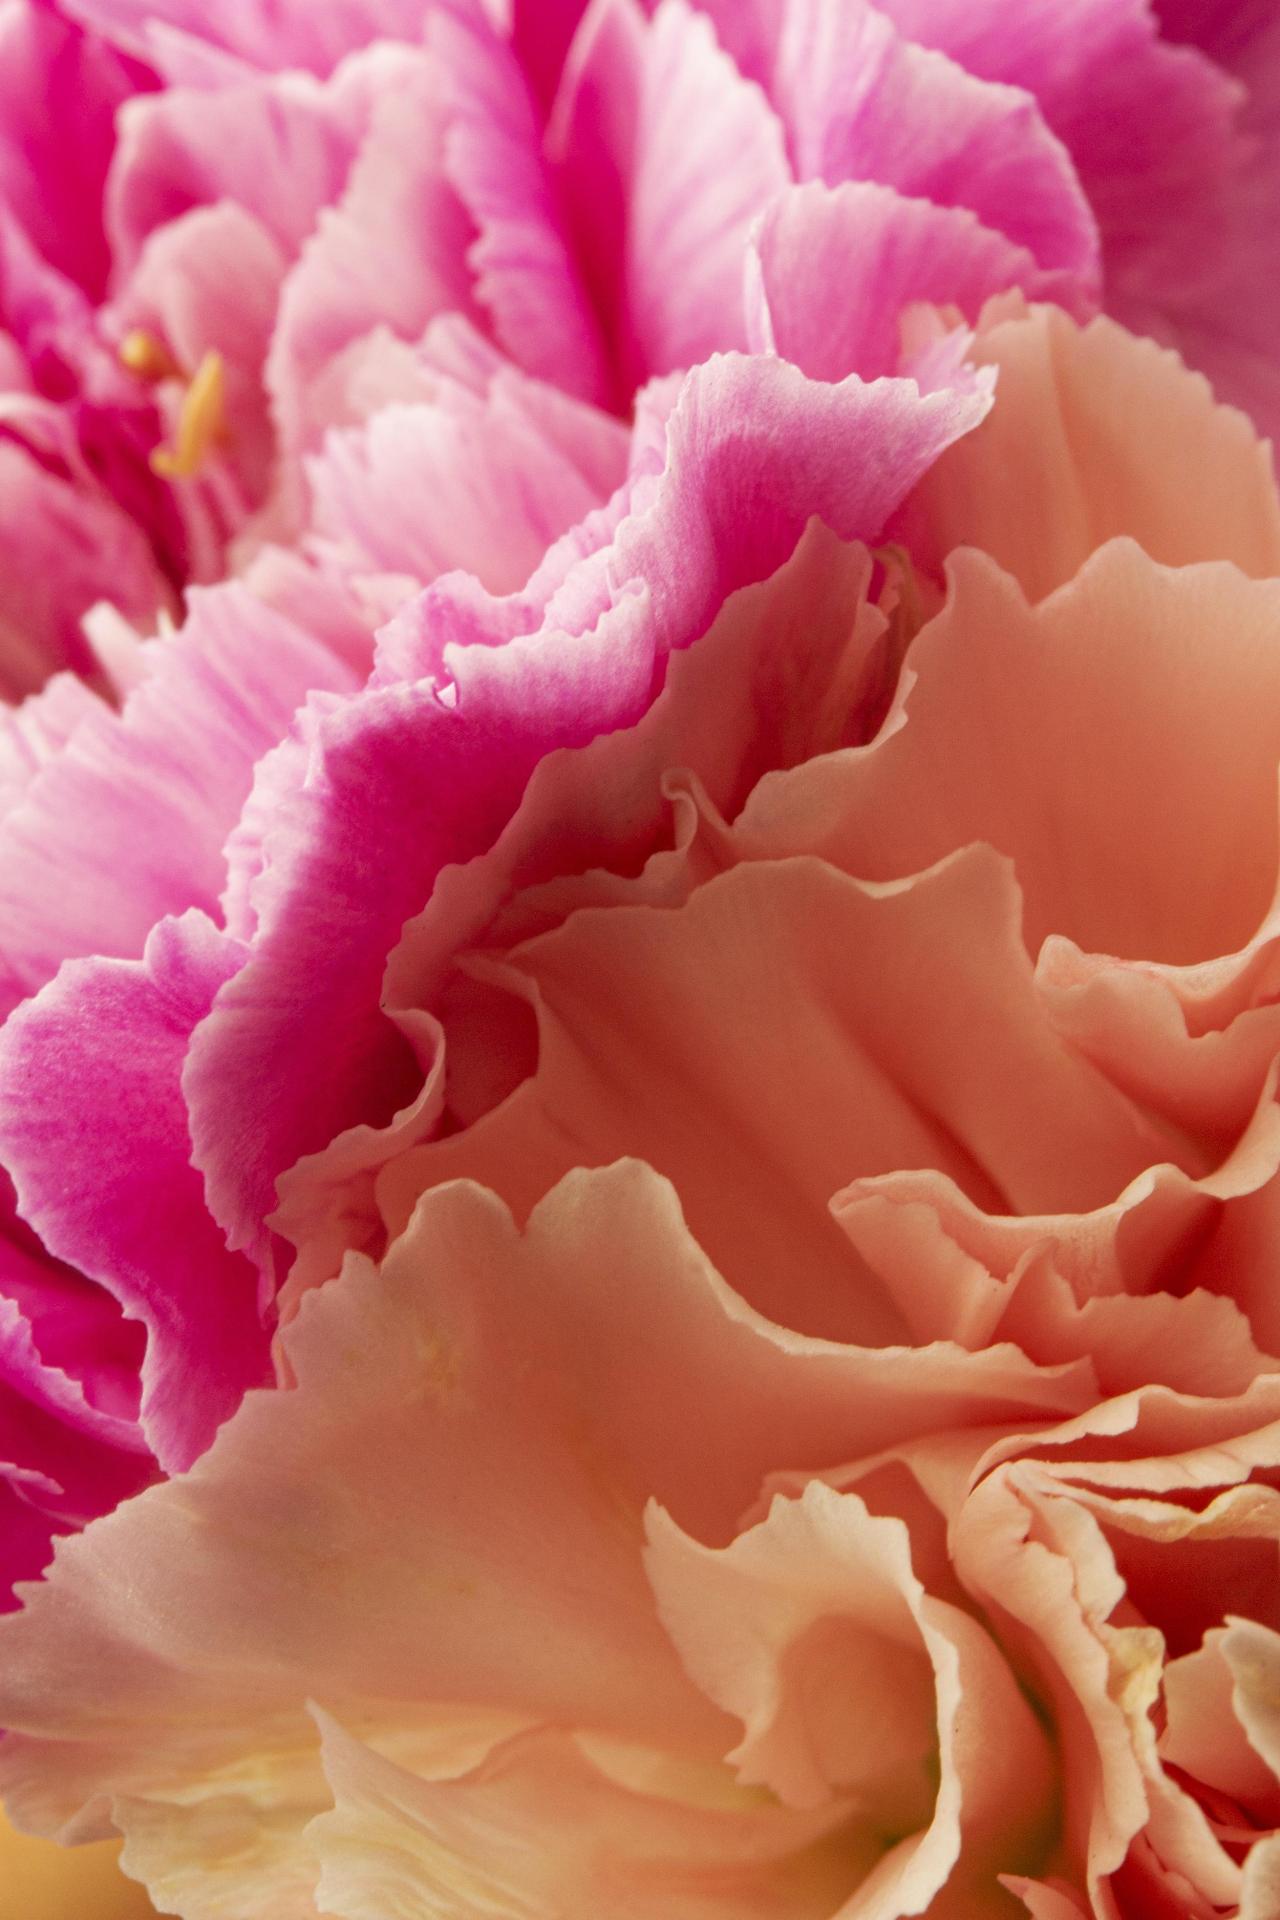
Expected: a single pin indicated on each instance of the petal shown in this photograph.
(401, 783)
(54, 77)
(390, 252)
(541, 1825)
(657, 1023)
(483, 483)
(255, 31)
(813, 1630)
(136, 1223)
(127, 823)
(64, 545)
(709, 156)
(526, 276)
(432, 1518)
(1102, 813)
(1106, 427)
(885, 252)
(917, 121)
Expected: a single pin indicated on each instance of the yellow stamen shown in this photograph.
(200, 423)
(147, 357)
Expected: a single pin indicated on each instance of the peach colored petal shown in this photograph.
(1156, 1285)
(1203, 1735)
(1252, 1653)
(909, 1035)
(441, 1524)
(850, 1680)
(1095, 1559)
(1156, 696)
(1057, 469)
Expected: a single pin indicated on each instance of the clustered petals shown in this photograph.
(639, 1069)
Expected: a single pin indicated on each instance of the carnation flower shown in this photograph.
(640, 1063)
(782, 1413)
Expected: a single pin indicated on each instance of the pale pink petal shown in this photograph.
(258, 32)
(209, 282)
(861, 102)
(36, 730)
(709, 156)
(390, 252)
(127, 823)
(885, 252)
(277, 145)
(481, 483)
(64, 545)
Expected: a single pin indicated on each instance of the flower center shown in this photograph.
(201, 418)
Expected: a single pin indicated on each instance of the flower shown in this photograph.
(678, 946)
(340, 302)
(781, 1398)
(263, 214)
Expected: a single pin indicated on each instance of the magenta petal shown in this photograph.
(526, 275)
(59, 92)
(97, 1057)
(259, 32)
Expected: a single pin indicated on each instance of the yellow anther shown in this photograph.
(148, 357)
(199, 423)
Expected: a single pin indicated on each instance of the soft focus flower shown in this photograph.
(782, 1382)
(673, 930)
(41, 1878)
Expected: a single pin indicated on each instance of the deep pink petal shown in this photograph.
(526, 276)
(134, 1219)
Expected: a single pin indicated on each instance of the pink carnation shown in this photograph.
(673, 931)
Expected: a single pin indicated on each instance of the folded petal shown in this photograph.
(127, 823)
(139, 1227)
(1063, 434)
(402, 781)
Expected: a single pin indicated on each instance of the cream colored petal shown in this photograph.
(542, 1832)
